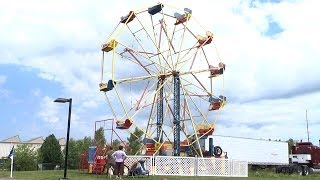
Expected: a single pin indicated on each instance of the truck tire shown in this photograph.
(311, 171)
(217, 151)
(305, 171)
(299, 170)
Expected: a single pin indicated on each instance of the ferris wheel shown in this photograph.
(161, 73)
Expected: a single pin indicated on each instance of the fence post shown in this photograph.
(153, 165)
(196, 165)
(231, 168)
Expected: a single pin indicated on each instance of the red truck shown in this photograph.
(304, 160)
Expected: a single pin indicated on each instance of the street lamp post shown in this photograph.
(63, 100)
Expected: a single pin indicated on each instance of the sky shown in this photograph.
(52, 49)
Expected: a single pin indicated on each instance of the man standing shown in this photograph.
(110, 161)
(119, 157)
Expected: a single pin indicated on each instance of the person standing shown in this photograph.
(119, 157)
(110, 161)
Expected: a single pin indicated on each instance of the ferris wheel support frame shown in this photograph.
(176, 110)
(160, 111)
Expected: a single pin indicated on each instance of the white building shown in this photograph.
(6, 145)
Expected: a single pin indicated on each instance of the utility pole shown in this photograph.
(307, 125)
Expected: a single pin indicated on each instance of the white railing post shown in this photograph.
(153, 165)
(196, 165)
(231, 168)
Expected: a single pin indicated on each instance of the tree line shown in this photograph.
(50, 155)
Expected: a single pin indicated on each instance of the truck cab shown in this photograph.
(306, 153)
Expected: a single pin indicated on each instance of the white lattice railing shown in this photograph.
(213, 167)
(191, 166)
(171, 165)
(239, 169)
(148, 161)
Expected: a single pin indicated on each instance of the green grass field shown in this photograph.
(75, 175)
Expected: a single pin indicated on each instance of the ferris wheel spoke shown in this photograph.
(205, 56)
(204, 116)
(107, 40)
(153, 42)
(172, 35)
(152, 112)
(145, 67)
(163, 26)
(134, 57)
(145, 55)
(190, 31)
(109, 103)
(134, 79)
(194, 58)
(180, 48)
(171, 46)
(201, 87)
(192, 120)
(188, 51)
(147, 97)
(194, 104)
(137, 40)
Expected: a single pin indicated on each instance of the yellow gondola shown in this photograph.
(205, 129)
(109, 46)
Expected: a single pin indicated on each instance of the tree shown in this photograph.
(85, 143)
(50, 151)
(99, 138)
(135, 141)
(25, 158)
(115, 144)
(73, 155)
(76, 147)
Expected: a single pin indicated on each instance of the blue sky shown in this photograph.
(52, 50)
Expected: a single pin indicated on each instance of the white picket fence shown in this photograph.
(191, 166)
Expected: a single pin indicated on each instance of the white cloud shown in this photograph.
(277, 78)
(49, 111)
(4, 93)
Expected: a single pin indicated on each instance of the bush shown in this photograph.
(25, 158)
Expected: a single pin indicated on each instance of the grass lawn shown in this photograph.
(74, 174)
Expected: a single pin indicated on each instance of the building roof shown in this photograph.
(36, 140)
(13, 139)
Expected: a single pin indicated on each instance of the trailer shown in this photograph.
(257, 152)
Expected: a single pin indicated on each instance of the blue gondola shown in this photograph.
(107, 87)
(155, 9)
